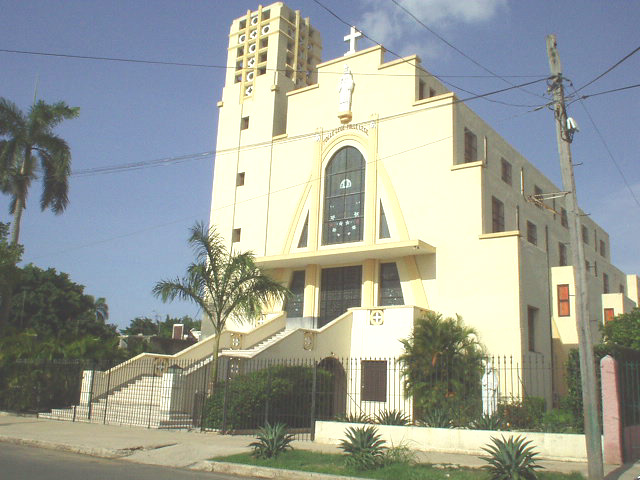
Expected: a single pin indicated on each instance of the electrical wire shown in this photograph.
(609, 69)
(139, 165)
(444, 40)
(225, 67)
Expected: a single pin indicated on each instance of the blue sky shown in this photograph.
(124, 231)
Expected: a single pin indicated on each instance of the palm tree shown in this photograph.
(101, 309)
(442, 364)
(27, 145)
(221, 283)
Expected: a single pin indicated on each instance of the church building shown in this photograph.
(375, 194)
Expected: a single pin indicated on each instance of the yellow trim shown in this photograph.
(371, 188)
(417, 287)
(392, 200)
(314, 201)
(310, 289)
(368, 282)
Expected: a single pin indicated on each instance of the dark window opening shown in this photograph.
(564, 220)
(532, 313)
(384, 226)
(497, 215)
(304, 234)
(390, 289)
(235, 236)
(240, 179)
(295, 303)
(374, 381)
(470, 146)
(244, 123)
(340, 289)
(562, 252)
(506, 172)
(532, 233)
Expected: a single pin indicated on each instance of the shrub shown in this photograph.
(271, 441)
(364, 447)
(488, 422)
(354, 418)
(524, 414)
(558, 421)
(511, 459)
(392, 417)
(399, 454)
(282, 393)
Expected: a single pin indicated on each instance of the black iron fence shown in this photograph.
(161, 392)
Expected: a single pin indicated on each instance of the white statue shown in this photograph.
(345, 89)
(490, 390)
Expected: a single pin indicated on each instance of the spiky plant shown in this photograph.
(271, 441)
(392, 417)
(436, 418)
(488, 422)
(512, 459)
(364, 447)
(354, 418)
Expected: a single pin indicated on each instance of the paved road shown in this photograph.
(19, 462)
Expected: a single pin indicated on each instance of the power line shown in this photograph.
(408, 60)
(609, 69)
(223, 67)
(609, 91)
(441, 38)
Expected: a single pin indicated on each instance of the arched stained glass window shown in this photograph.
(344, 197)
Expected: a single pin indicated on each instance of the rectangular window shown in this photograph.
(390, 289)
(374, 381)
(537, 195)
(564, 306)
(562, 253)
(609, 314)
(603, 248)
(235, 236)
(295, 303)
(585, 234)
(240, 179)
(470, 146)
(605, 283)
(532, 313)
(506, 172)
(421, 89)
(532, 233)
(244, 123)
(564, 220)
(497, 215)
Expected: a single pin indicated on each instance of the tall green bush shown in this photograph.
(274, 394)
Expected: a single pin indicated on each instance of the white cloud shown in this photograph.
(389, 25)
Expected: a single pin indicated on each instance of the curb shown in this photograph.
(94, 452)
(264, 472)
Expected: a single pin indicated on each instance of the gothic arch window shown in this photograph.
(344, 197)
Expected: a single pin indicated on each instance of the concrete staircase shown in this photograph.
(137, 404)
(260, 347)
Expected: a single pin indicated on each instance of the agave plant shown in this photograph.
(512, 459)
(392, 417)
(271, 441)
(437, 418)
(488, 422)
(364, 447)
(354, 418)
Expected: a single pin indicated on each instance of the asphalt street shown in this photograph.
(18, 462)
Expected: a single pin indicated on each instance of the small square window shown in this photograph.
(470, 146)
(506, 172)
(243, 24)
(266, 14)
(532, 233)
(235, 237)
(240, 179)
(605, 283)
(244, 123)
(585, 234)
(240, 52)
(264, 42)
(609, 314)
(497, 215)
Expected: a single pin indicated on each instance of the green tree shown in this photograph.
(164, 329)
(624, 330)
(28, 144)
(10, 255)
(443, 365)
(141, 326)
(221, 283)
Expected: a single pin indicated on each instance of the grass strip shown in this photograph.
(307, 461)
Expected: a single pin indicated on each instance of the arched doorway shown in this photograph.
(331, 389)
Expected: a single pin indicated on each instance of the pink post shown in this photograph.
(611, 420)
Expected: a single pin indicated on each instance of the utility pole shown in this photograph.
(564, 136)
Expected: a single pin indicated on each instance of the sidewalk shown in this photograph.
(189, 449)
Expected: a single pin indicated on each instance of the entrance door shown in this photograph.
(340, 289)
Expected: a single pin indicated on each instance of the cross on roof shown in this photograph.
(352, 38)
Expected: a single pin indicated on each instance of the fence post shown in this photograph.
(205, 377)
(611, 411)
(314, 379)
(106, 398)
(90, 395)
(266, 404)
(224, 398)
